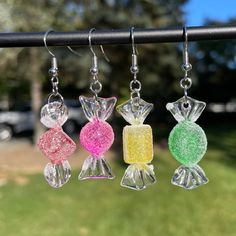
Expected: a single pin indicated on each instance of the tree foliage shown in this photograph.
(216, 67)
(159, 63)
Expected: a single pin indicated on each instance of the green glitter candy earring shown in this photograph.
(187, 140)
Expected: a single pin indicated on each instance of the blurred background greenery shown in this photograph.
(29, 207)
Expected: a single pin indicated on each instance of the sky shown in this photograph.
(199, 10)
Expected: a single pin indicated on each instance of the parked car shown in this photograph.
(20, 118)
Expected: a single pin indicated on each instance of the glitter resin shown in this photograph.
(96, 137)
(56, 144)
(187, 143)
(137, 145)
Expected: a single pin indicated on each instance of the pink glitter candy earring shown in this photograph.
(97, 135)
(55, 144)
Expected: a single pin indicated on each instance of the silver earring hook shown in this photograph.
(104, 54)
(134, 47)
(53, 72)
(186, 82)
(90, 41)
(135, 85)
(185, 32)
(134, 67)
(45, 42)
(73, 51)
(91, 47)
(186, 65)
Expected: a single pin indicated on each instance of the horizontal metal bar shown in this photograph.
(120, 36)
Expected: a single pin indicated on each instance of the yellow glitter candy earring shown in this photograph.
(137, 137)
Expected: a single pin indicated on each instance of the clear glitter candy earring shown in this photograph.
(54, 143)
(137, 137)
(187, 140)
(97, 135)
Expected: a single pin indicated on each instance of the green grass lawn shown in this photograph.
(103, 208)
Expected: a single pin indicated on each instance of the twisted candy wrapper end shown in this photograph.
(189, 177)
(96, 168)
(135, 110)
(100, 108)
(57, 174)
(182, 110)
(138, 176)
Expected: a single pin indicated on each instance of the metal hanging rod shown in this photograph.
(119, 36)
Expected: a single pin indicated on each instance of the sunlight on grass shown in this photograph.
(104, 208)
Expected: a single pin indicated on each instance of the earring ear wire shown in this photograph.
(91, 47)
(73, 51)
(53, 71)
(186, 66)
(45, 42)
(134, 46)
(185, 82)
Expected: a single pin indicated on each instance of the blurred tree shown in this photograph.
(26, 16)
(159, 63)
(216, 67)
(159, 66)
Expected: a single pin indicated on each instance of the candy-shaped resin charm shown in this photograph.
(96, 137)
(187, 142)
(137, 144)
(56, 144)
